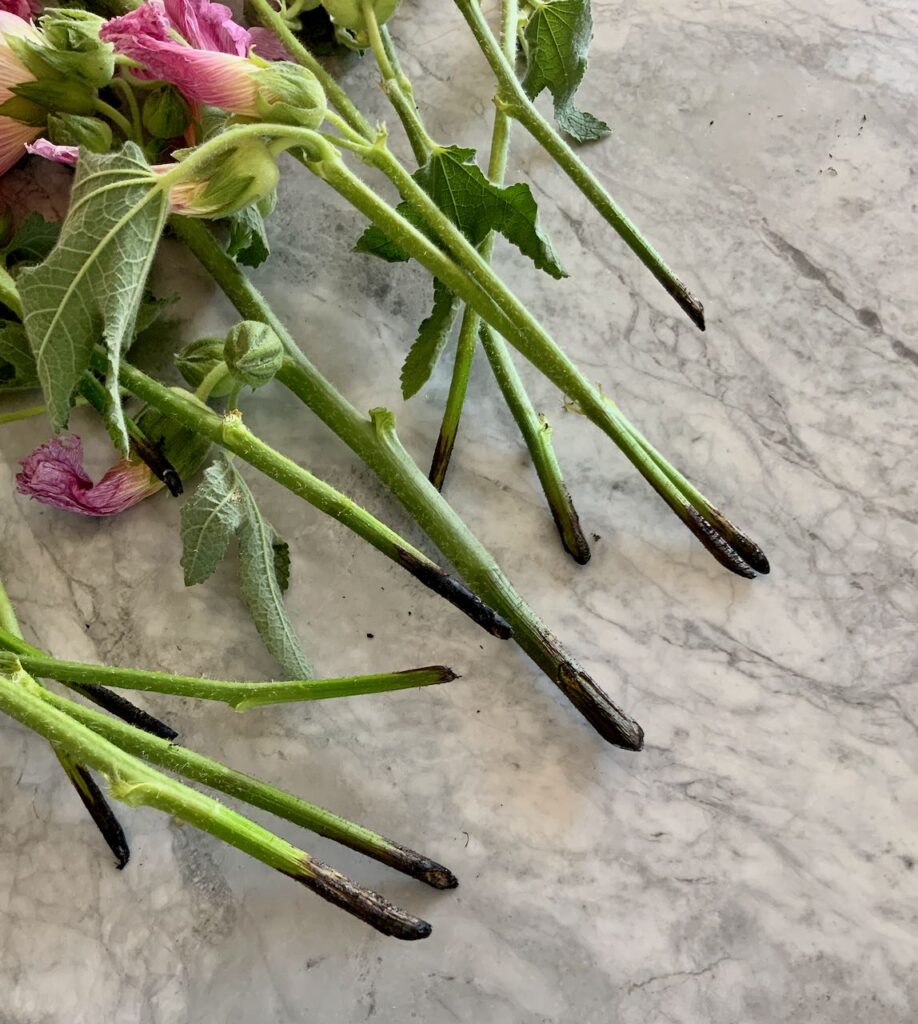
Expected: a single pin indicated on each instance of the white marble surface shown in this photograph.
(756, 863)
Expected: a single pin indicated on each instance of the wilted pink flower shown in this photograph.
(13, 134)
(24, 9)
(266, 44)
(56, 154)
(54, 474)
(217, 78)
(208, 26)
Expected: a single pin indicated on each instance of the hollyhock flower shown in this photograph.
(54, 474)
(13, 134)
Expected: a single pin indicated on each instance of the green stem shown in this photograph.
(107, 110)
(241, 696)
(338, 98)
(22, 414)
(377, 444)
(230, 433)
(513, 99)
(134, 783)
(537, 433)
(259, 794)
(124, 88)
(86, 788)
(465, 273)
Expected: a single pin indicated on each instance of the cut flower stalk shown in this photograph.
(375, 442)
(136, 784)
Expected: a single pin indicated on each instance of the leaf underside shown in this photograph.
(557, 40)
(90, 287)
(477, 207)
(248, 240)
(17, 367)
(223, 507)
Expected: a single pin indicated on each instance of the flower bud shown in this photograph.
(227, 182)
(349, 13)
(253, 353)
(73, 46)
(196, 361)
(289, 94)
(62, 96)
(77, 130)
(165, 113)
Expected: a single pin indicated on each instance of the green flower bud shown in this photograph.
(227, 182)
(77, 130)
(73, 46)
(65, 97)
(349, 13)
(165, 113)
(289, 94)
(196, 361)
(253, 353)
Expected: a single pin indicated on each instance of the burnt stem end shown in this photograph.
(126, 711)
(101, 813)
(370, 907)
(456, 592)
(568, 523)
(439, 464)
(717, 545)
(415, 865)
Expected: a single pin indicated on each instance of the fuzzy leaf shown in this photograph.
(33, 240)
(248, 242)
(432, 337)
(90, 287)
(477, 206)
(209, 519)
(556, 42)
(221, 507)
(264, 572)
(17, 367)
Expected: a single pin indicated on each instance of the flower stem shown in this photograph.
(107, 110)
(134, 783)
(230, 433)
(465, 273)
(376, 443)
(239, 695)
(514, 101)
(86, 789)
(23, 414)
(259, 794)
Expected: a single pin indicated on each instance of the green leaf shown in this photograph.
(476, 206)
(17, 367)
(210, 517)
(248, 241)
(90, 287)
(556, 42)
(9, 293)
(432, 337)
(33, 240)
(223, 506)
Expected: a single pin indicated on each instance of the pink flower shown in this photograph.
(208, 26)
(54, 474)
(56, 154)
(25, 9)
(13, 134)
(217, 78)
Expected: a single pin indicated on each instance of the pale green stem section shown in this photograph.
(134, 783)
(242, 696)
(376, 443)
(116, 117)
(256, 793)
(513, 99)
(23, 414)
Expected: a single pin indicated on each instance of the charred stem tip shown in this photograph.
(612, 724)
(691, 305)
(433, 874)
(718, 545)
(456, 592)
(101, 813)
(126, 711)
(368, 906)
(439, 463)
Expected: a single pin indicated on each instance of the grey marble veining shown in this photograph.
(757, 862)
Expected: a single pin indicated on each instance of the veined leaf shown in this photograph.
(17, 367)
(476, 206)
(248, 241)
(556, 43)
(90, 287)
(33, 240)
(221, 507)
(432, 337)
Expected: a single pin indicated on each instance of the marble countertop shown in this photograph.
(757, 862)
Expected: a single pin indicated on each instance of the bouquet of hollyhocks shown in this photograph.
(173, 114)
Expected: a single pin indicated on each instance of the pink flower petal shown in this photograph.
(54, 475)
(208, 26)
(24, 9)
(14, 140)
(58, 154)
(217, 79)
(266, 44)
